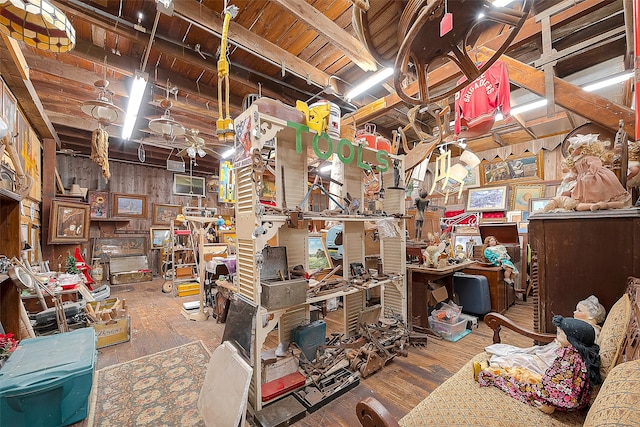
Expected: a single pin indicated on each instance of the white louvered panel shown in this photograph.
(353, 182)
(295, 174)
(393, 255)
(245, 190)
(297, 246)
(290, 320)
(393, 299)
(353, 241)
(247, 274)
(394, 201)
(253, 398)
(353, 305)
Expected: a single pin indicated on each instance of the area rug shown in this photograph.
(157, 390)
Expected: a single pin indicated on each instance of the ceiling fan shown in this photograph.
(195, 145)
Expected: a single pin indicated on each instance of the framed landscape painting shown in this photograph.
(529, 167)
(485, 199)
(129, 205)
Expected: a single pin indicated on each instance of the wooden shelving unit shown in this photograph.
(290, 146)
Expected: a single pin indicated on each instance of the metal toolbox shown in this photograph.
(276, 292)
(283, 293)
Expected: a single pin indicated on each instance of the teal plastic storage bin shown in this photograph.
(47, 380)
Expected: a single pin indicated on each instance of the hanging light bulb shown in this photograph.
(191, 152)
(103, 109)
(201, 152)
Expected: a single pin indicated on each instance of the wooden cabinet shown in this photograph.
(10, 247)
(577, 254)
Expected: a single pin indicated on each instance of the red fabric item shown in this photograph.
(449, 214)
(492, 214)
(477, 103)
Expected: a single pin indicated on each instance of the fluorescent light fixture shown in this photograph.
(608, 82)
(501, 3)
(228, 153)
(326, 168)
(370, 82)
(135, 99)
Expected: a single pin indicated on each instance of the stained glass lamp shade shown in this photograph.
(37, 23)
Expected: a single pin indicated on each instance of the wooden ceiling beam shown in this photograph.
(12, 71)
(338, 37)
(589, 105)
(197, 14)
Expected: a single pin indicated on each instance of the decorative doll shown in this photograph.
(421, 203)
(496, 254)
(567, 383)
(596, 186)
(538, 358)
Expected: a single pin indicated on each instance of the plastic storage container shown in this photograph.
(448, 330)
(47, 380)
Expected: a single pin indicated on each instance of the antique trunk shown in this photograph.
(507, 235)
(130, 269)
(278, 291)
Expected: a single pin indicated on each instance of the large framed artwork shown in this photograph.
(69, 223)
(185, 185)
(163, 214)
(486, 199)
(522, 193)
(529, 167)
(99, 204)
(129, 205)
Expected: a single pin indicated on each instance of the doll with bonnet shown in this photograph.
(596, 186)
(567, 383)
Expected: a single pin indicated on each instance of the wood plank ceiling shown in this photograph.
(290, 50)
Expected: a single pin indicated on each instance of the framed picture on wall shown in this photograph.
(522, 193)
(185, 185)
(486, 199)
(99, 204)
(69, 223)
(528, 167)
(129, 205)
(158, 237)
(163, 214)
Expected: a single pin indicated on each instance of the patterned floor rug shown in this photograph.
(157, 390)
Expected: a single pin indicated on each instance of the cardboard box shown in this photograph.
(434, 296)
(114, 331)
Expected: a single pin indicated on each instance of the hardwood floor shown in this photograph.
(157, 324)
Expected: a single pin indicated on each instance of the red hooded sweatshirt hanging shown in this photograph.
(477, 103)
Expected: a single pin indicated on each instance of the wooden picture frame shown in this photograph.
(522, 193)
(472, 180)
(486, 199)
(529, 167)
(514, 216)
(318, 254)
(129, 205)
(537, 204)
(163, 214)
(68, 223)
(99, 203)
(467, 241)
(185, 185)
(158, 236)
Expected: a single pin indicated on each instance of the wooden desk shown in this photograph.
(418, 278)
(502, 295)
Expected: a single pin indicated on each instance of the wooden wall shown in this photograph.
(130, 178)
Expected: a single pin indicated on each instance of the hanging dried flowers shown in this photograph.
(100, 150)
